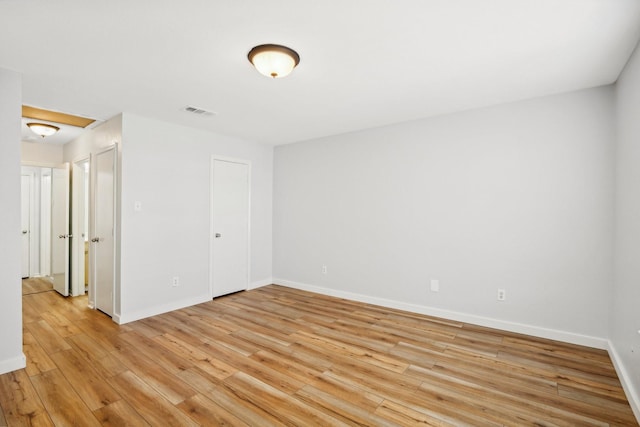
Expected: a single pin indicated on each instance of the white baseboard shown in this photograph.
(154, 311)
(504, 325)
(260, 283)
(632, 394)
(14, 364)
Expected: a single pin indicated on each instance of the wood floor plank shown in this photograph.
(196, 357)
(166, 384)
(87, 382)
(150, 404)
(37, 359)
(342, 408)
(20, 402)
(119, 414)
(289, 410)
(3, 420)
(62, 325)
(96, 355)
(61, 400)
(278, 356)
(405, 416)
(168, 360)
(29, 312)
(47, 337)
(206, 412)
(217, 392)
(36, 285)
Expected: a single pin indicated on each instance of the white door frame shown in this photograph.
(211, 218)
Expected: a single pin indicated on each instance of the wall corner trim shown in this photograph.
(14, 364)
(260, 283)
(632, 394)
(154, 311)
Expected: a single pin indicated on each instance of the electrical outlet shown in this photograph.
(175, 282)
(324, 269)
(502, 295)
(435, 285)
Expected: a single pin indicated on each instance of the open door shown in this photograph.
(60, 236)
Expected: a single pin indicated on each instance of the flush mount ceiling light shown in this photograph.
(43, 129)
(273, 60)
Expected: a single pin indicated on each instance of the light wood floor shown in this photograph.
(277, 356)
(36, 285)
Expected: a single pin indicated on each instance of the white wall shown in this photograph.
(41, 153)
(625, 310)
(518, 196)
(166, 167)
(94, 140)
(11, 356)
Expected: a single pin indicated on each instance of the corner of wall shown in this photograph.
(632, 394)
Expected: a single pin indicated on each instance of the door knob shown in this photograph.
(25, 231)
(62, 236)
(218, 235)
(95, 239)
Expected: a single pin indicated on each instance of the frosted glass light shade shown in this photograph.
(43, 129)
(273, 60)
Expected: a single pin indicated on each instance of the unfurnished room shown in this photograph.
(320, 213)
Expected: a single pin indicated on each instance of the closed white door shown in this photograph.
(103, 240)
(60, 235)
(25, 212)
(229, 227)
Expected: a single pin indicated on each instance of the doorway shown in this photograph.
(229, 238)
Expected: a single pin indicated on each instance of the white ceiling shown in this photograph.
(364, 63)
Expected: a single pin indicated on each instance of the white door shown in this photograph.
(79, 211)
(103, 241)
(25, 212)
(60, 235)
(229, 227)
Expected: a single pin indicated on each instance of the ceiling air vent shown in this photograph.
(198, 111)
